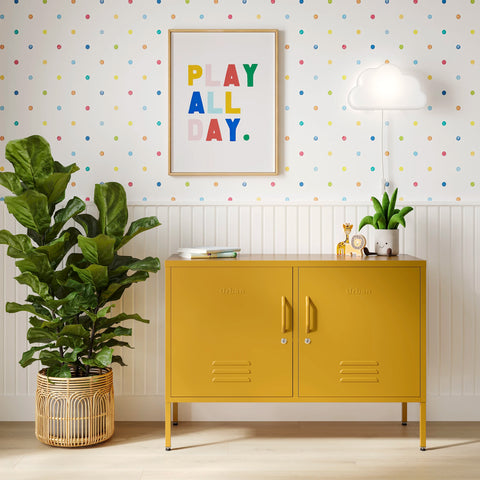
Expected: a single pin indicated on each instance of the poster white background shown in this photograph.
(256, 103)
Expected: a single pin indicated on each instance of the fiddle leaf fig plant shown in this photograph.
(72, 289)
(386, 216)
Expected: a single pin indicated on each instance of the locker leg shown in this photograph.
(423, 426)
(168, 425)
(404, 413)
(175, 413)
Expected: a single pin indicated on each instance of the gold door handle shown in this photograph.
(307, 314)
(284, 314)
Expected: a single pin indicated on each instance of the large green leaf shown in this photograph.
(79, 301)
(138, 226)
(58, 369)
(71, 357)
(368, 220)
(35, 321)
(40, 335)
(19, 246)
(111, 201)
(27, 357)
(149, 264)
(112, 333)
(104, 357)
(405, 210)
(75, 331)
(58, 167)
(39, 311)
(30, 209)
(74, 206)
(38, 287)
(11, 181)
(118, 359)
(76, 259)
(108, 322)
(378, 219)
(391, 207)
(31, 158)
(51, 358)
(89, 223)
(71, 342)
(95, 274)
(36, 237)
(385, 204)
(377, 205)
(113, 342)
(97, 250)
(114, 290)
(70, 235)
(398, 218)
(54, 250)
(38, 264)
(53, 187)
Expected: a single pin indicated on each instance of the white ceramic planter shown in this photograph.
(386, 239)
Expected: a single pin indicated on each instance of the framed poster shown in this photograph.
(223, 102)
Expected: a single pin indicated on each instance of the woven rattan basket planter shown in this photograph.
(74, 412)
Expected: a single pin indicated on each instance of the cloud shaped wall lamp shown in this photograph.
(386, 88)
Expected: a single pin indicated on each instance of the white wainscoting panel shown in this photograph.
(447, 236)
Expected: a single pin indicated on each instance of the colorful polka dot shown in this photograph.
(121, 89)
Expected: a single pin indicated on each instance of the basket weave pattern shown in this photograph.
(74, 412)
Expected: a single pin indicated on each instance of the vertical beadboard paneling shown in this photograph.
(221, 233)
(327, 244)
(304, 229)
(244, 228)
(152, 307)
(447, 236)
(433, 299)
(280, 230)
(477, 303)
(186, 221)
(256, 226)
(268, 229)
(210, 224)
(197, 227)
(291, 233)
(315, 229)
(445, 270)
(457, 287)
(233, 233)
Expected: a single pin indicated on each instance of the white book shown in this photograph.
(209, 255)
(206, 250)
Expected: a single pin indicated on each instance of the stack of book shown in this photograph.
(208, 252)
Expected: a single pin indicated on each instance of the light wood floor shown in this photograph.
(251, 450)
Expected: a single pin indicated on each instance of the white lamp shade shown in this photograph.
(386, 88)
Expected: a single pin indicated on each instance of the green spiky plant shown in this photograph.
(71, 290)
(386, 216)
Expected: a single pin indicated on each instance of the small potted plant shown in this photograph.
(72, 329)
(386, 220)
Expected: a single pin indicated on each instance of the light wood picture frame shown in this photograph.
(223, 102)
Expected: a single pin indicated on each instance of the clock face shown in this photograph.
(358, 241)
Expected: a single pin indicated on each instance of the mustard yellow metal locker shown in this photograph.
(226, 336)
(295, 328)
(361, 332)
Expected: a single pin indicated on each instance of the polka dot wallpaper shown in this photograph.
(91, 76)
